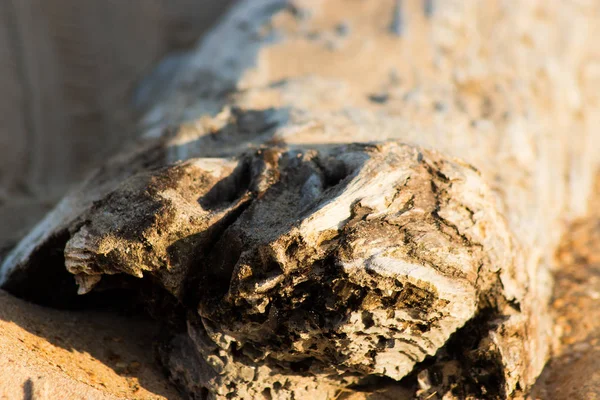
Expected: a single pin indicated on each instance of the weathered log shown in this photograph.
(308, 264)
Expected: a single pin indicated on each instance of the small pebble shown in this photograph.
(397, 26)
(342, 29)
(428, 7)
(301, 14)
(380, 98)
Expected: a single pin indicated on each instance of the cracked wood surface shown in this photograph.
(329, 263)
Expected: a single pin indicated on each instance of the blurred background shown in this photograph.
(68, 69)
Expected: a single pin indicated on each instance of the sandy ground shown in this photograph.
(53, 354)
(574, 371)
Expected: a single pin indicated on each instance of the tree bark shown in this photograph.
(353, 187)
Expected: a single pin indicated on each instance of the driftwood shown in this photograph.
(359, 187)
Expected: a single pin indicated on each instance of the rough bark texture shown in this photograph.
(307, 264)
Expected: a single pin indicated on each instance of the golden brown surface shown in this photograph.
(574, 370)
(52, 354)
